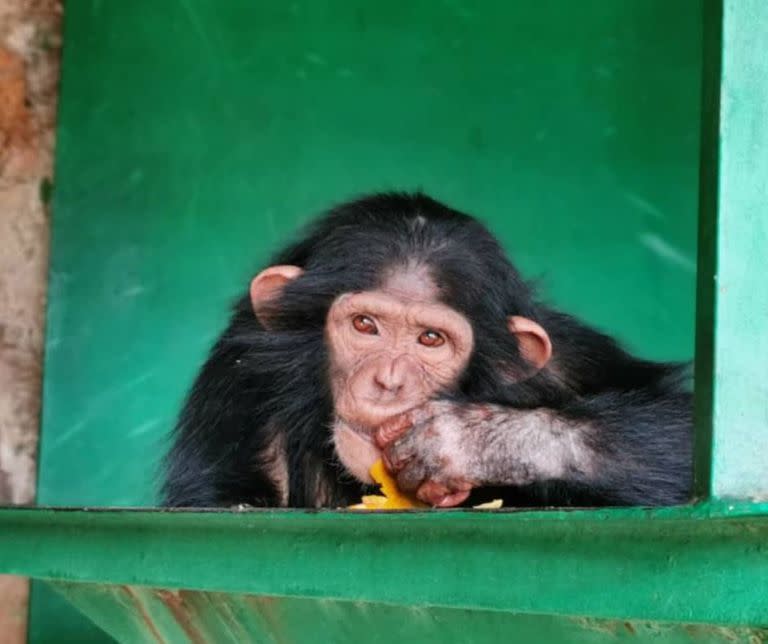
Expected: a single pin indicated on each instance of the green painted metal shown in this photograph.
(691, 564)
(136, 614)
(707, 264)
(195, 136)
(734, 251)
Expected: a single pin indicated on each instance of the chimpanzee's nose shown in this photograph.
(391, 376)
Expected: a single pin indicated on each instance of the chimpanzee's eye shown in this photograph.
(364, 324)
(430, 338)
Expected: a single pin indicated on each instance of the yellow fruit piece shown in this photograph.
(491, 505)
(374, 501)
(395, 498)
(392, 499)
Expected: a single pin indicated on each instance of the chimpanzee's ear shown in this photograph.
(534, 342)
(268, 284)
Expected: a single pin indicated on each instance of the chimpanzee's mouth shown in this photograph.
(368, 423)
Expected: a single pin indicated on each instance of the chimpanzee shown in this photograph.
(397, 328)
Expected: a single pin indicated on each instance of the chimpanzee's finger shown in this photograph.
(397, 454)
(452, 500)
(444, 495)
(432, 492)
(393, 429)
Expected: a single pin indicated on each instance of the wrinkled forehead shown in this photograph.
(391, 305)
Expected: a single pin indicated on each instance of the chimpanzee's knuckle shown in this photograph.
(398, 455)
(411, 477)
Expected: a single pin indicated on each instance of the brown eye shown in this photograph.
(364, 324)
(431, 338)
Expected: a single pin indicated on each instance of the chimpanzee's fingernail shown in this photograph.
(452, 500)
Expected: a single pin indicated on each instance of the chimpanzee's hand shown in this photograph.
(436, 450)
(443, 449)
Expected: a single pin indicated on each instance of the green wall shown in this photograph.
(195, 135)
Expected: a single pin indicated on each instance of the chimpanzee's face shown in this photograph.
(391, 349)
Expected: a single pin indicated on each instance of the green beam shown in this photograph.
(707, 261)
(140, 614)
(732, 347)
(692, 564)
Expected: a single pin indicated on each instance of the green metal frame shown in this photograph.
(156, 615)
(732, 315)
(705, 563)
(693, 564)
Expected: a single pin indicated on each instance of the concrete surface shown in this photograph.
(29, 58)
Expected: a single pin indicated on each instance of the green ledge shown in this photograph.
(705, 563)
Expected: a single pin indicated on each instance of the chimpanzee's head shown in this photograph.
(414, 300)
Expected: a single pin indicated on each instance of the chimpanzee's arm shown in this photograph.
(629, 448)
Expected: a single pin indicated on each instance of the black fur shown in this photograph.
(257, 385)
